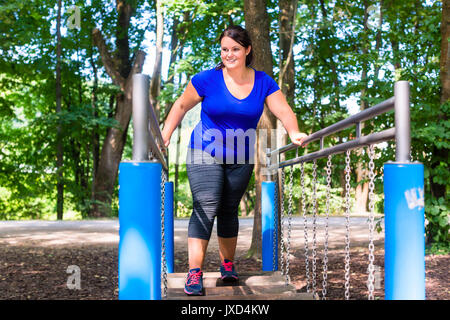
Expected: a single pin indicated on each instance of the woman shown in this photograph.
(233, 96)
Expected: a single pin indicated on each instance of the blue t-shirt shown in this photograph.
(227, 127)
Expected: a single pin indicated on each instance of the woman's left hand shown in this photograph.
(298, 138)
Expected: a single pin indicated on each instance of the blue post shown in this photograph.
(140, 231)
(404, 231)
(168, 225)
(268, 226)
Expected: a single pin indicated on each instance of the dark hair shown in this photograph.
(241, 36)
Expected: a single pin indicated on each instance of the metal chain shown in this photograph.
(371, 278)
(314, 251)
(275, 227)
(282, 211)
(325, 246)
(290, 208)
(305, 223)
(347, 225)
(163, 241)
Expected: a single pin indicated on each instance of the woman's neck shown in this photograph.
(239, 75)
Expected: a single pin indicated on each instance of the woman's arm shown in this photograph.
(280, 108)
(183, 104)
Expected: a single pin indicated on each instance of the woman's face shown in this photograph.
(232, 53)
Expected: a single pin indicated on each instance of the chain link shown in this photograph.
(347, 225)
(285, 244)
(314, 245)
(325, 246)
(275, 227)
(371, 268)
(290, 208)
(305, 223)
(163, 240)
(282, 212)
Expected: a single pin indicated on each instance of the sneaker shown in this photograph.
(227, 271)
(194, 283)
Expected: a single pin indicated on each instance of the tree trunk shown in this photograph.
(243, 207)
(59, 142)
(441, 154)
(377, 48)
(110, 157)
(155, 83)
(317, 85)
(333, 64)
(177, 168)
(121, 71)
(95, 135)
(445, 52)
(362, 188)
(257, 22)
(177, 45)
(81, 163)
(173, 55)
(286, 79)
(173, 50)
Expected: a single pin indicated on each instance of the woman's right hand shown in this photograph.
(166, 138)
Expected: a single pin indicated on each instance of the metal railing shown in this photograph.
(401, 132)
(403, 188)
(148, 144)
(145, 206)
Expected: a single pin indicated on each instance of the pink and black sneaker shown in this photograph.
(228, 274)
(194, 283)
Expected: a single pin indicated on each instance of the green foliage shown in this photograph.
(438, 248)
(16, 208)
(182, 198)
(437, 215)
(332, 49)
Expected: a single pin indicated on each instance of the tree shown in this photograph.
(59, 143)
(437, 206)
(441, 153)
(257, 23)
(445, 55)
(155, 83)
(176, 47)
(95, 135)
(121, 70)
(286, 77)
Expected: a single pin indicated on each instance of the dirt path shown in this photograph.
(35, 255)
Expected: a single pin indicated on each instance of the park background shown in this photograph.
(65, 107)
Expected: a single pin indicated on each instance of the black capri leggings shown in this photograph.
(217, 190)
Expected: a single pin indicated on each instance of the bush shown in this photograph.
(16, 208)
(437, 217)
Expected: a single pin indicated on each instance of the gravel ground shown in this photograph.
(35, 257)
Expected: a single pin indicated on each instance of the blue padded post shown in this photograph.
(140, 231)
(168, 226)
(268, 226)
(404, 231)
